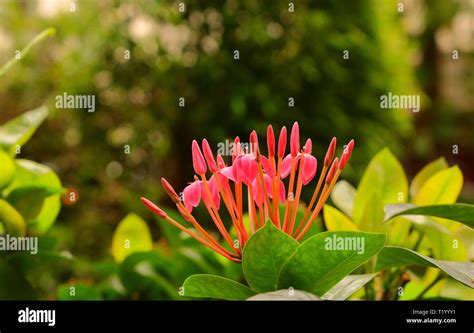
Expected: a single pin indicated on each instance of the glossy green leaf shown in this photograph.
(392, 256)
(385, 177)
(325, 259)
(19, 130)
(336, 221)
(348, 286)
(264, 254)
(343, 196)
(213, 286)
(441, 188)
(132, 235)
(463, 213)
(285, 295)
(425, 173)
(12, 221)
(7, 169)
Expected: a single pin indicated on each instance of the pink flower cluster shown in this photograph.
(261, 179)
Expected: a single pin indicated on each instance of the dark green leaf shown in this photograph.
(325, 259)
(213, 286)
(463, 213)
(264, 254)
(392, 256)
(13, 285)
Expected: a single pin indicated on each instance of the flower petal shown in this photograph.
(248, 168)
(192, 195)
(267, 167)
(309, 165)
(286, 165)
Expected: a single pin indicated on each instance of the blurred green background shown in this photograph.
(404, 49)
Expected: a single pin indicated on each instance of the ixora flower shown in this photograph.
(259, 179)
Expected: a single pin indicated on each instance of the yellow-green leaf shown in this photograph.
(13, 222)
(132, 235)
(385, 177)
(441, 188)
(7, 169)
(336, 221)
(429, 170)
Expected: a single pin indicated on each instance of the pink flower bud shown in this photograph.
(153, 208)
(282, 142)
(169, 190)
(270, 141)
(295, 139)
(198, 159)
(211, 162)
(330, 152)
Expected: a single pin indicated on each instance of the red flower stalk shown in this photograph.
(261, 178)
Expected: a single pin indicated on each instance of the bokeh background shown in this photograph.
(404, 49)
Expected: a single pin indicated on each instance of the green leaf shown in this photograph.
(13, 285)
(264, 254)
(13, 222)
(348, 286)
(343, 195)
(385, 177)
(132, 235)
(29, 200)
(336, 221)
(19, 130)
(148, 274)
(213, 286)
(285, 295)
(463, 213)
(425, 173)
(372, 218)
(392, 256)
(7, 169)
(31, 174)
(441, 188)
(325, 259)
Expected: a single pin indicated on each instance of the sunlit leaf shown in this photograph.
(343, 195)
(385, 177)
(336, 221)
(12, 221)
(19, 130)
(441, 188)
(7, 169)
(132, 235)
(425, 173)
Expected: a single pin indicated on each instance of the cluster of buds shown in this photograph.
(259, 179)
